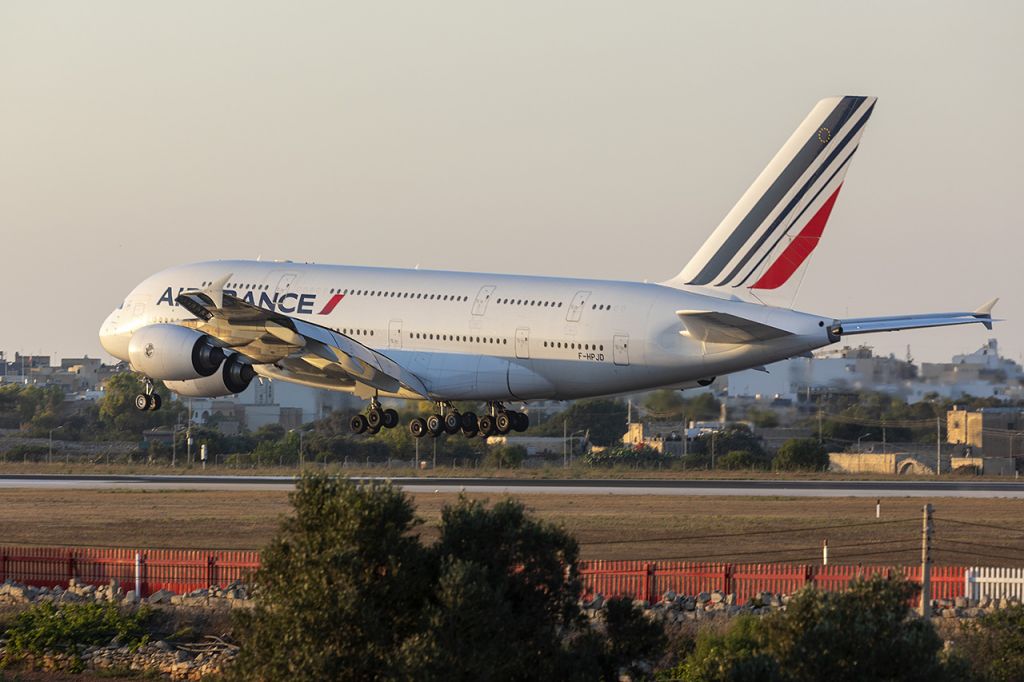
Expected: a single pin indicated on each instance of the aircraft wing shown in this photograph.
(295, 350)
(718, 327)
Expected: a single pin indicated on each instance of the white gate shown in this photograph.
(994, 582)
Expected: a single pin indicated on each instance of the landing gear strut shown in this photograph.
(375, 419)
(148, 401)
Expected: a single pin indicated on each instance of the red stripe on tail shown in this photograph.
(331, 303)
(798, 250)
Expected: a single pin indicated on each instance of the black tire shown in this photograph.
(374, 418)
(486, 423)
(142, 402)
(390, 419)
(434, 425)
(469, 422)
(470, 433)
(503, 423)
(358, 424)
(373, 430)
(452, 423)
(418, 428)
(521, 421)
(155, 402)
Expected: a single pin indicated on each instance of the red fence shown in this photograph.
(185, 570)
(154, 569)
(649, 580)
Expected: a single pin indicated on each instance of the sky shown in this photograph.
(588, 138)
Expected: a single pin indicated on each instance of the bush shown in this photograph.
(994, 646)
(738, 459)
(801, 454)
(865, 633)
(626, 455)
(71, 628)
(505, 456)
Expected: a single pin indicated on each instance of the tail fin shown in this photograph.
(777, 223)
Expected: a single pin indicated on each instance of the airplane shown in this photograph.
(208, 329)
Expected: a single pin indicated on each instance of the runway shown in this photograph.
(514, 486)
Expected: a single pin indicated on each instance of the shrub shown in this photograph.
(801, 454)
(505, 456)
(994, 646)
(72, 627)
(738, 459)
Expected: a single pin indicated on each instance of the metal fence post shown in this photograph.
(71, 565)
(138, 575)
(211, 570)
(727, 579)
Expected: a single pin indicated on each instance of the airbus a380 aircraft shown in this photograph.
(208, 329)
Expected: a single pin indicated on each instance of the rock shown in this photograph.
(985, 602)
(703, 597)
(163, 645)
(160, 597)
(716, 597)
(131, 597)
(730, 598)
(690, 604)
(669, 596)
(948, 613)
(960, 602)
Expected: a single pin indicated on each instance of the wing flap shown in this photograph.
(718, 327)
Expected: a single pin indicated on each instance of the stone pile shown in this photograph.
(677, 608)
(231, 596)
(154, 658)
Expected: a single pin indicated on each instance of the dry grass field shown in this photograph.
(739, 529)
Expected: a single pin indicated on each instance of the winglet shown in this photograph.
(984, 313)
(216, 290)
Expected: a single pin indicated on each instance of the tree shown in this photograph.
(801, 454)
(341, 587)
(117, 406)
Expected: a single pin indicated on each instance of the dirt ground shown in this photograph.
(738, 529)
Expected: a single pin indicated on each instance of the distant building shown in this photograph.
(987, 432)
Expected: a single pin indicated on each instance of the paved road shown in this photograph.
(831, 488)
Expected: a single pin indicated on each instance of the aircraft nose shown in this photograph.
(113, 339)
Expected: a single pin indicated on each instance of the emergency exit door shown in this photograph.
(620, 349)
(523, 343)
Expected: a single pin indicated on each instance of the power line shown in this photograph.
(977, 554)
(980, 525)
(746, 533)
(982, 544)
(789, 550)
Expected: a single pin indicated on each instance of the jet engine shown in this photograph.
(172, 352)
(234, 376)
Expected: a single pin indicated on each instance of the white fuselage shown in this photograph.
(470, 336)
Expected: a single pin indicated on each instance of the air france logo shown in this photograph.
(290, 302)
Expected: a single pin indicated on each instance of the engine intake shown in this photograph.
(234, 377)
(174, 353)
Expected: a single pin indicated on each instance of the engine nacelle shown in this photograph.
(171, 352)
(234, 377)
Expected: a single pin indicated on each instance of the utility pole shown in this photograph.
(938, 446)
(565, 444)
(820, 440)
(926, 562)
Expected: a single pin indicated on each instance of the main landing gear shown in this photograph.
(149, 401)
(498, 420)
(374, 420)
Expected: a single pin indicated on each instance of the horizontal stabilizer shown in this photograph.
(867, 325)
(716, 327)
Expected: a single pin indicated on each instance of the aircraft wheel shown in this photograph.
(374, 418)
(452, 423)
(520, 421)
(469, 433)
(373, 430)
(154, 402)
(486, 423)
(469, 422)
(390, 420)
(418, 428)
(434, 424)
(503, 423)
(358, 424)
(142, 402)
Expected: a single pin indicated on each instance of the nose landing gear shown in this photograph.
(148, 401)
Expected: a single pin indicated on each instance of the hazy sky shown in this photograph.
(596, 139)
